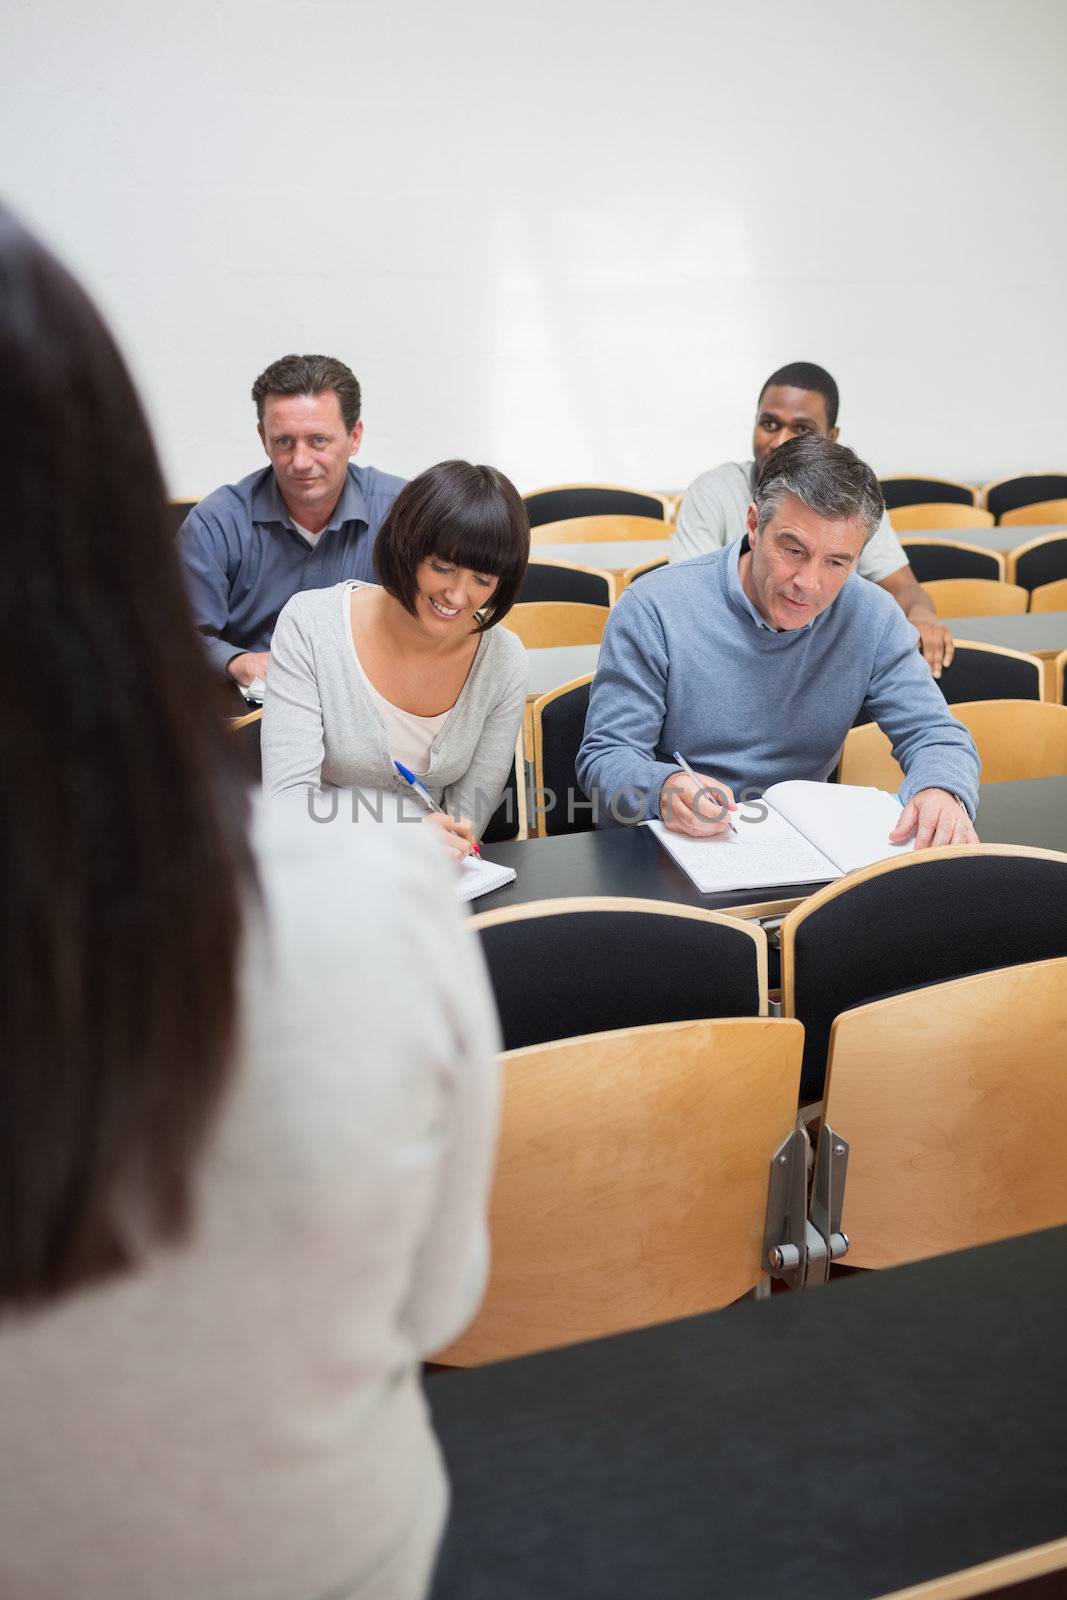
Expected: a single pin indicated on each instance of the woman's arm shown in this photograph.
(477, 794)
(292, 742)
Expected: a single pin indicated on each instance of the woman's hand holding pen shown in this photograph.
(456, 833)
(693, 804)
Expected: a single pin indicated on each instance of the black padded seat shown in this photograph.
(590, 500)
(545, 580)
(924, 491)
(1014, 493)
(931, 559)
(921, 922)
(562, 728)
(568, 973)
(1045, 563)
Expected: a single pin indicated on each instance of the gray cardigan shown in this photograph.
(320, 726)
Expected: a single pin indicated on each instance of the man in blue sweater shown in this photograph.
(754, 661)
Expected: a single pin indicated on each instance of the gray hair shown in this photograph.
(830, 479)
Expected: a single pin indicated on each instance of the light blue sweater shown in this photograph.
(688, 664)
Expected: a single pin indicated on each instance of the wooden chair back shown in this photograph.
(953, 1100)
(547, 624)
(633, 573)
(939, 514)
(976, 597)
(247, 730)
(1049, 596)
(631, 1180)
(1059, 668)
(1015, 739)
(1041, 511)
(595, 530)
(1021, 490)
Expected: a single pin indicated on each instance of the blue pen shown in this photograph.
(683, 763)
(424, 795)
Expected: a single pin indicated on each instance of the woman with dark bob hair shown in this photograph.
(414, 670)
(246, 1114)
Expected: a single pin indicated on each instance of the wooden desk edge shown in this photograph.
(990, 1575)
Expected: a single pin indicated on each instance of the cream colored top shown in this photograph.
(408, 736)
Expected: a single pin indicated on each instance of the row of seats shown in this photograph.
(633, 1176)
(1032, 497)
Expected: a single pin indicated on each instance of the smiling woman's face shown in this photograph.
(448, 596)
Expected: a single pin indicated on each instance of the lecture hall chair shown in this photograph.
(560, 968)
(550, 624)
(1013, 494)
(247, 730)
(1040, 561)
(952, 1101)
(1049, 596)
(600, 530)
(902, 489)
(976, 597)
(557, 725)
(1015, 739)
(563, 501)
(913, 920)
(933, 515)
(990, 672)
(934, 559)
(632, 1180)
(567, 580)
(642, 570)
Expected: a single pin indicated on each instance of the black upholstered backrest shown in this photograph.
(504, 823)
(177, 511)
(1025, 491)
(249, 744)
(1045, 563)
(562, 727)
(931, 559)
(977, 674)
(559, 975)
(651, 566)
(924, 491)
(923, 921)
(545, 580)
(589, 500)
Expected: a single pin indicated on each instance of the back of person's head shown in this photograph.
(470, 515)
(298, 375)
(123, 853)
(830, 479)
(806, 375)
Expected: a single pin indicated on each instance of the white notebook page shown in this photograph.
(849, 824)
(760, 855)
(478, 877)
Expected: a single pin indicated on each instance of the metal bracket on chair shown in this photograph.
(785, 1233)
(827, 1201)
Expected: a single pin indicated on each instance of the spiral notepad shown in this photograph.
(477, 877)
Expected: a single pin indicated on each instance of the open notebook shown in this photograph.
(812, 833)
(481, 877)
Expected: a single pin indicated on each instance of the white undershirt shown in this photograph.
(408, 737)
(305, 533)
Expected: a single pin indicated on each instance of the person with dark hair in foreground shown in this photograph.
(798, 399)
(415, 670)
(305, 522)
(246, 1073)
(755, 661)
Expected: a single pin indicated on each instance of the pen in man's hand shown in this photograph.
(423, 794)
(683, 763)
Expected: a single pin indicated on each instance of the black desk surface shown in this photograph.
(838, 1444)
(631, 861)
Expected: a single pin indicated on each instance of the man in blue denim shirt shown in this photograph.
(307, 521)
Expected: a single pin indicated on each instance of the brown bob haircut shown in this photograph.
(462, 513)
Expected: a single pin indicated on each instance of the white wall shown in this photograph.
(568, 238)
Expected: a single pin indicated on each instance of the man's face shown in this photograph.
(797, 565)
(782, 414)
(309, 447)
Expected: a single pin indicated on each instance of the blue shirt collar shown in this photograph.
(269, 506)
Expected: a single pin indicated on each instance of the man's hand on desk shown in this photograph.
(935, 817)
(246, 668)
(698, 806)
